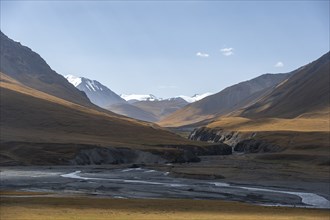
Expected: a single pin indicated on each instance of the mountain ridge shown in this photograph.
(305, 91)
(225, 101)
(29, 68)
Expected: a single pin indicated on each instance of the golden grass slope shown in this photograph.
(300, 124)
(86, 208)
(303, 139)
(34, 116)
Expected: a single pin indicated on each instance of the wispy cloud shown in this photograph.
(200, 54)
(279, 64)
(227, 51)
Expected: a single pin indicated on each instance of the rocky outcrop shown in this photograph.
(246, 142)
(19, 153)
(214, 149)
(110, 155)
(171, 154)
(218, 136)
(191, 153)
(256, 146)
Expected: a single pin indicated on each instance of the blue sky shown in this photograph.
(170, 48)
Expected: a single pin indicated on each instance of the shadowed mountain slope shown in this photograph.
(224, 102)
(26, 66)
(132, 111)
(305, 91)
(27, 109)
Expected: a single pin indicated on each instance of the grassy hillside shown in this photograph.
(30, 118)
(302, 124)
(306, 91)
(224, 102)
(301, 135)
(293, 118)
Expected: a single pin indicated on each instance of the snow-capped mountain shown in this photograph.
(196, 97)
(138, 106)
(138, 97)
(98, 94)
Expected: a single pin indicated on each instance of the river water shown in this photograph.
(146, 183)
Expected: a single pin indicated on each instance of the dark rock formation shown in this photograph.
(110, 155)
(256, 146)
(17, 153)
(171, 154)
(239, 142)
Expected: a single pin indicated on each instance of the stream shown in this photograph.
(146, 183)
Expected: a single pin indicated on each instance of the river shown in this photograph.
(147, 183)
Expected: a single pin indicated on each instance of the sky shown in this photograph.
(170, 48)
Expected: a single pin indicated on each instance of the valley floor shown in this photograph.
(218, 187)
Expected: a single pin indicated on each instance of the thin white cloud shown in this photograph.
(227, 51)
(279, 64)
(200, 54)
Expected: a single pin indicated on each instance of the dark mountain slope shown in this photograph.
(27, 67)
(305, 91)
(224, 102)
(132, 111)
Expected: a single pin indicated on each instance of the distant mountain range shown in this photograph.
(136, 97)
(141, 107)
(195, 97)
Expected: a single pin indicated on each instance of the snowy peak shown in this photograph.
(93, 85)
(195, 97)
(74, 80)
(136, 98)
(98, 94)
